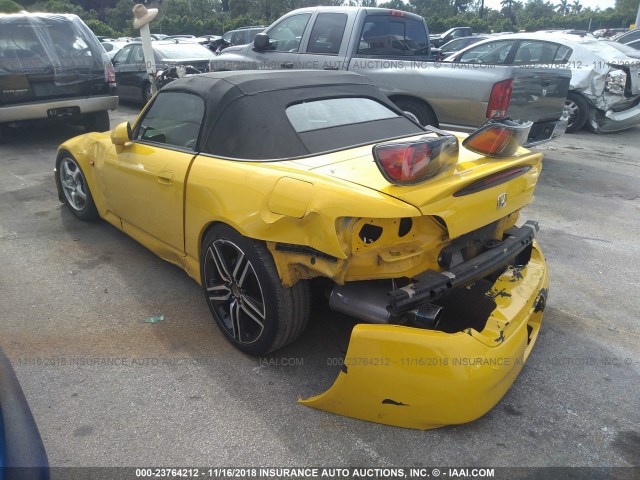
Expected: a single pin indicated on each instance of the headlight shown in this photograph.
(615, 82)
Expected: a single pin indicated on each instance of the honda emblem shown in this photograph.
(502, 200)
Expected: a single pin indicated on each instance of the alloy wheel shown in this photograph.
(573, 110)
(73, 184)
(234, 291)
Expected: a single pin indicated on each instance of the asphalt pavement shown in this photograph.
(109, 389)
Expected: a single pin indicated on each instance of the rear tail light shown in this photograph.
(408, 163)
(109, 71)
(499, 138)
(499, 100)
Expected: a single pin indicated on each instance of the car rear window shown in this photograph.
(37, 44)
(334, 112)
(386, 35)
(271, 127)
(184, 51)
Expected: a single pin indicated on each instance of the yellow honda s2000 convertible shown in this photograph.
(258, 182)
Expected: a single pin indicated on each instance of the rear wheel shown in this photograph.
(77, 196)
(422, 112)
(97, 122)
(245, 295)
(578, 109)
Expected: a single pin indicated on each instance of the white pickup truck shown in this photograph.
(391, 48)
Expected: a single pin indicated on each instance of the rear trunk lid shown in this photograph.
(443, 195)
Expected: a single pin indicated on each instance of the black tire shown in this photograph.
(421, 111)
(578, 112)
(267, 315)
(147, 93)
(76, 194)
(97, 122)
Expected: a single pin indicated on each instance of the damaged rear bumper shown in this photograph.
(611, 121)
(416, 378)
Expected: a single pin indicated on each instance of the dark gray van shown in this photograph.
(53, 67)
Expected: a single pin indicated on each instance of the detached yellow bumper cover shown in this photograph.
(414, 378)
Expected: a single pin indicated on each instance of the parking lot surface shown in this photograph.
(109, 389)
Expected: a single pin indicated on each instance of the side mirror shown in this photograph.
(261, 42)
(121, 135)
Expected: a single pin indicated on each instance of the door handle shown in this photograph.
(331, 68)
(286, 65)
(165, 178)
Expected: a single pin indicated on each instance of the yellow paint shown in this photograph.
(320, 202)
(323, 203)
(422, 379)
(290, 197)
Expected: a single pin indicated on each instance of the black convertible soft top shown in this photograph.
(245, 113)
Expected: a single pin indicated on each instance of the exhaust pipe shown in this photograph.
(367, 301)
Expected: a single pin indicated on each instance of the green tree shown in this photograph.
(395, 5)
(507, 8)
(120, 17)
(576, 6)
(56, 6)
(101, 28)
(628, 8)
(563, 7)
(9, 6)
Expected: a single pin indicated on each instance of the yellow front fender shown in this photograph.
(415, 378)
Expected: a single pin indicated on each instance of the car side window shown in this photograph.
(238, 38)
(490, 52)
(174, 119)
(120, 58)
(137, 56)
(326, 35)
(563, 54)
(286, 35)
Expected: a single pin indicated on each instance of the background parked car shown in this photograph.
(131, 73)
(53, 67)
(454, 46)
(440, 39)
(112, 47)
(631, 38)
(239, 36)
(604, 92)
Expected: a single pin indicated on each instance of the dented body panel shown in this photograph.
(423, 379)
(335, 215)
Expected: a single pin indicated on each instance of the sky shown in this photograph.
(603, 4)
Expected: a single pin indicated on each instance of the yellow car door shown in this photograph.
(143, 180)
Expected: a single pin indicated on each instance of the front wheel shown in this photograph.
(245, 295)
(77, 196)
(422, 112)
(578, 109)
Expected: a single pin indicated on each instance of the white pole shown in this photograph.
(149, 59)
(638, 17)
